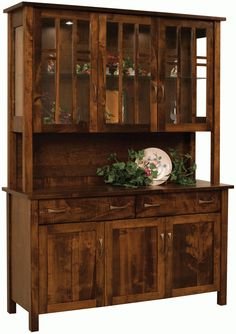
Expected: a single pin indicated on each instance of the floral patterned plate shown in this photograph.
(157, 164)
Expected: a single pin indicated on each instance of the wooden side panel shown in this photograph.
(27, 163)
(20, 251)
(193, 259)
(70, 272)
(134, 260)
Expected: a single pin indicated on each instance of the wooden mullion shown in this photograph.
(194, 76)
(57, 77)
(136, 61)
(120, 50)
(74, 76)
(178, 83)
(102, 71)
(154, 79)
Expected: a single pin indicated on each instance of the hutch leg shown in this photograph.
(33, 322)
(11, 305)
(222, 294)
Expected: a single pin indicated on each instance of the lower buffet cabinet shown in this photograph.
(72, 253)
(139, 259)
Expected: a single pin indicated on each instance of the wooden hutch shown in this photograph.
(85, 82)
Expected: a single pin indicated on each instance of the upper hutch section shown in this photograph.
(110, 70)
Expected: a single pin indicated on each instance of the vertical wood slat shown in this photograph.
(11, 136)
(120, 51)
(102, 71)
(75, 40)
(161, 66)
(209, 76)
(34, 246)
(215, 135)
(57, 77)
(93, 113)
(136, 62)
(43, 265)
(178, 81)
(27, 156)
(154, 80)
(75, 266)
(194, 74)
(222, 293)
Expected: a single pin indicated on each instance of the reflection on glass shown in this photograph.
(83, 69)
(19, 71)
(144, 74)
(64, 115)
(201, 92)
(112, 74)
(48, 70)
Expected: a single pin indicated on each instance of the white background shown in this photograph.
(182, 315)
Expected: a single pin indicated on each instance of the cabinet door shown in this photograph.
(186, 75)
(193, 249)
(66, 71)
(134, 260)
(71, 266)
(127, 73)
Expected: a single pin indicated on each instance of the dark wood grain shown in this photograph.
(112, 10)
(222, 293)
(134, 260)
(74, 210)
(71, 274)
(193, 253)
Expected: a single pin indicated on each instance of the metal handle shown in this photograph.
(169, 235)
(148, 205)
(114, 207)
(63, 210)
(205, 201)
(162, 92)
(154, 85)
(101, 248)
(162, 236)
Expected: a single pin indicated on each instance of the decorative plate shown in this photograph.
(156, 161)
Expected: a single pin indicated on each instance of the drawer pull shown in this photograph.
(63, 210)
(205, 201)
(114, 207)
(162, 236)
(154, 205)
(169, 236)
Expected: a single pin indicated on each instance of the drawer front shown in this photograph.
(86, 209)
(177, 203)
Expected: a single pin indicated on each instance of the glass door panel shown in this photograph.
(128, 73)
(188, 70)
(66, 71)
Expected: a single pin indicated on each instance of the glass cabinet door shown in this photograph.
(186, 75)
(67, 83)
(126, 87)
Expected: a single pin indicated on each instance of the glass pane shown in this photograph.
(48, 70)
(144, 74)
(201, 72)
(112, 74)
(185, 110)
(171, 72)
(19, 71)
(83, 69)
(65, 110)
(128, 74)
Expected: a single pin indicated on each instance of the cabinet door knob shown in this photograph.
(114, 207)
(201, 201)
(153, 205)
(62, 210)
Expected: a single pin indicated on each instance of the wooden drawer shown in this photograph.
(177, 203)
(86, 209)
